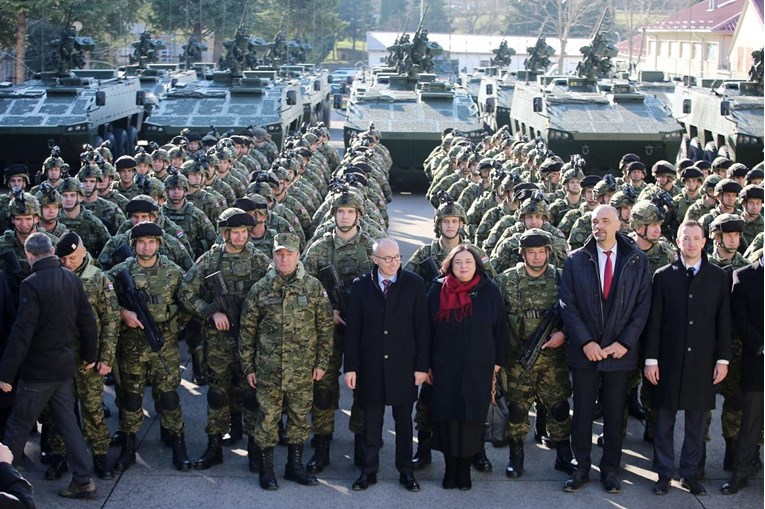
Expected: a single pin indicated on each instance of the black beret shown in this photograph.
(248, 204)
(125, 162)
(692, 172)
(16, 169)
(141, 203)
(146, 229)
(67, 244)
(194, 137)
(591, 180)
(636, 165)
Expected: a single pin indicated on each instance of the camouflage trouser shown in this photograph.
(135, 358)
(295, 402)
(549, 385)
(422, 420)
(326, 396)
(224, 379)
(89, 390)
(730, 388)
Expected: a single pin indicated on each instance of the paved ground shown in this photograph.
(154, 483)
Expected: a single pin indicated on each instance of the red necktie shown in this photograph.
(386, 285)
(608, 274)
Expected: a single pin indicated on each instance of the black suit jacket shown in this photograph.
(689, 330)
(387, 339)
(746, 308)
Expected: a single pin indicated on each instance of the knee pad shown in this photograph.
(216, 398)
(734, 402)
(132, 401)
(169, 401)
(559, 410)
(517, 414)
(250, 400)
(323, 399)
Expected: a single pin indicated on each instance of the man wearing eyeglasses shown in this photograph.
(387, 356)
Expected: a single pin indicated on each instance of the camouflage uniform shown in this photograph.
(171, 247)
(195, 225)
(490, 218)
(109, 213)
(116, 198)
(91, 230)
(286, 333)
(506, 254)
(682, 203)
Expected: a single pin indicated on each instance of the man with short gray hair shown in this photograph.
(53, 310)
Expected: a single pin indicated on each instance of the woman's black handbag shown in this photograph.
(498, 416)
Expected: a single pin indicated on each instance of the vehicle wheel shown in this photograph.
(112, 144)
(326, 110)
(120, 143)
(132, 135)
(97, 141)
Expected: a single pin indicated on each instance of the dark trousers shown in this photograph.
(373, 425)
(31, 398)
(664, 442)
(614, 399)
(749, 435)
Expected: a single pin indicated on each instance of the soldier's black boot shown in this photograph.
(564, 458)
(180, 456)
(101, 467)
(320, 459)
(481, 462)
(730, 450)
(634, 408)
(422, 457)
(358, 450)
(540, 428)
(56, 468)
(253, 455)
(166, 436)
(213, 455)
(236, 432)
(294, 470)
(267, 476)
(46, 456)
(198, 375)
(127, 455)
(117, 438)
(514, 467)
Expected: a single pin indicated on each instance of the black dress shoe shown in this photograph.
(694, 486)
(662, 486)
(736, 483)
(575, 482)
(364, 481)
(409, 482)
(611, 483)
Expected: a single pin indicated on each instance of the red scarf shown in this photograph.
(455, 301)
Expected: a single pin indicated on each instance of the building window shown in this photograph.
(662, 48)
(651, 47)
(696, 51)
(685, 50)
(673, 49)
(712, 51)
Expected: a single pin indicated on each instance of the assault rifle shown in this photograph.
(224, 302)
(541, 334)
(135, 300)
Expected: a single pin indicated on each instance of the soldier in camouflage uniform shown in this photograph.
(160, 162)
(240, 266)
(530, 289)
(126, 185)
(159, 279)
(274, 221)
(449, 223)
(726, 232)
(572, 186)
(479, 186)
(693, 180)
(105, 189)
(89, 384)
(109, 213)
(706, 202)
(588, 184)
(224, 161)
(212, 205)
(52, 172)
(754, 251)
(196, 226)
(506, 207)
(751, 198)
(16, 177)
(285, 348)
(79, 219)
(140, 209)
(499, 231)
(261, 236)
(581, 228)
(636, 173)
(623, 202)
(550, 172)
(726, 194)
(50, 210)
(349, 251)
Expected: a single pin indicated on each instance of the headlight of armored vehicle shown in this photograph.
(554, 134)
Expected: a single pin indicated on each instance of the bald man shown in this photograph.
(605, 297)
(387, 355)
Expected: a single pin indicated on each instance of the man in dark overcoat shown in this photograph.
(746, 302)
(387, 355)
(688, 348)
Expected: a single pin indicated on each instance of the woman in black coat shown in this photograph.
(469, 344)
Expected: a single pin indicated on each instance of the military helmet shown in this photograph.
(703, 164)
(52, 162)
(625, 198)
(145, 229)
(604, 187)
(16, 169)
(663, 168)
(224, 154)
(23, 204)
(629, 158)
(189, 167)
(711, 181)
(572, 174)
(449, 208)
(177, 180)
(348, 198)
(725, 223)
(108, 170)
(644, 213)
(751, 192)
(48, 195)
(70, 185)
(160, 154)
(252, 202)
(692, 172)
(684, 163)
(754, 174)
(262, 188)
(535, 204)
(90, 171)
(535, 237)
(727, 186)
(235, 217)
(737, 170)
(550, 165)
(176, 152)
(105, 152)
(636, 165)
(509, 181)
(141, 203)
(142, 157)
(721, 162)
(151, 186)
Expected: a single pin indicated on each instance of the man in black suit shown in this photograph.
(688, 348)
(746, 307)
(387, 342)
(605, 298)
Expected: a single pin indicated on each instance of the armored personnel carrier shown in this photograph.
(594, 116)
(410, 107)
(239, 95)
(315, 90)
(69, 107)
(496, 88)
(722, 117)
